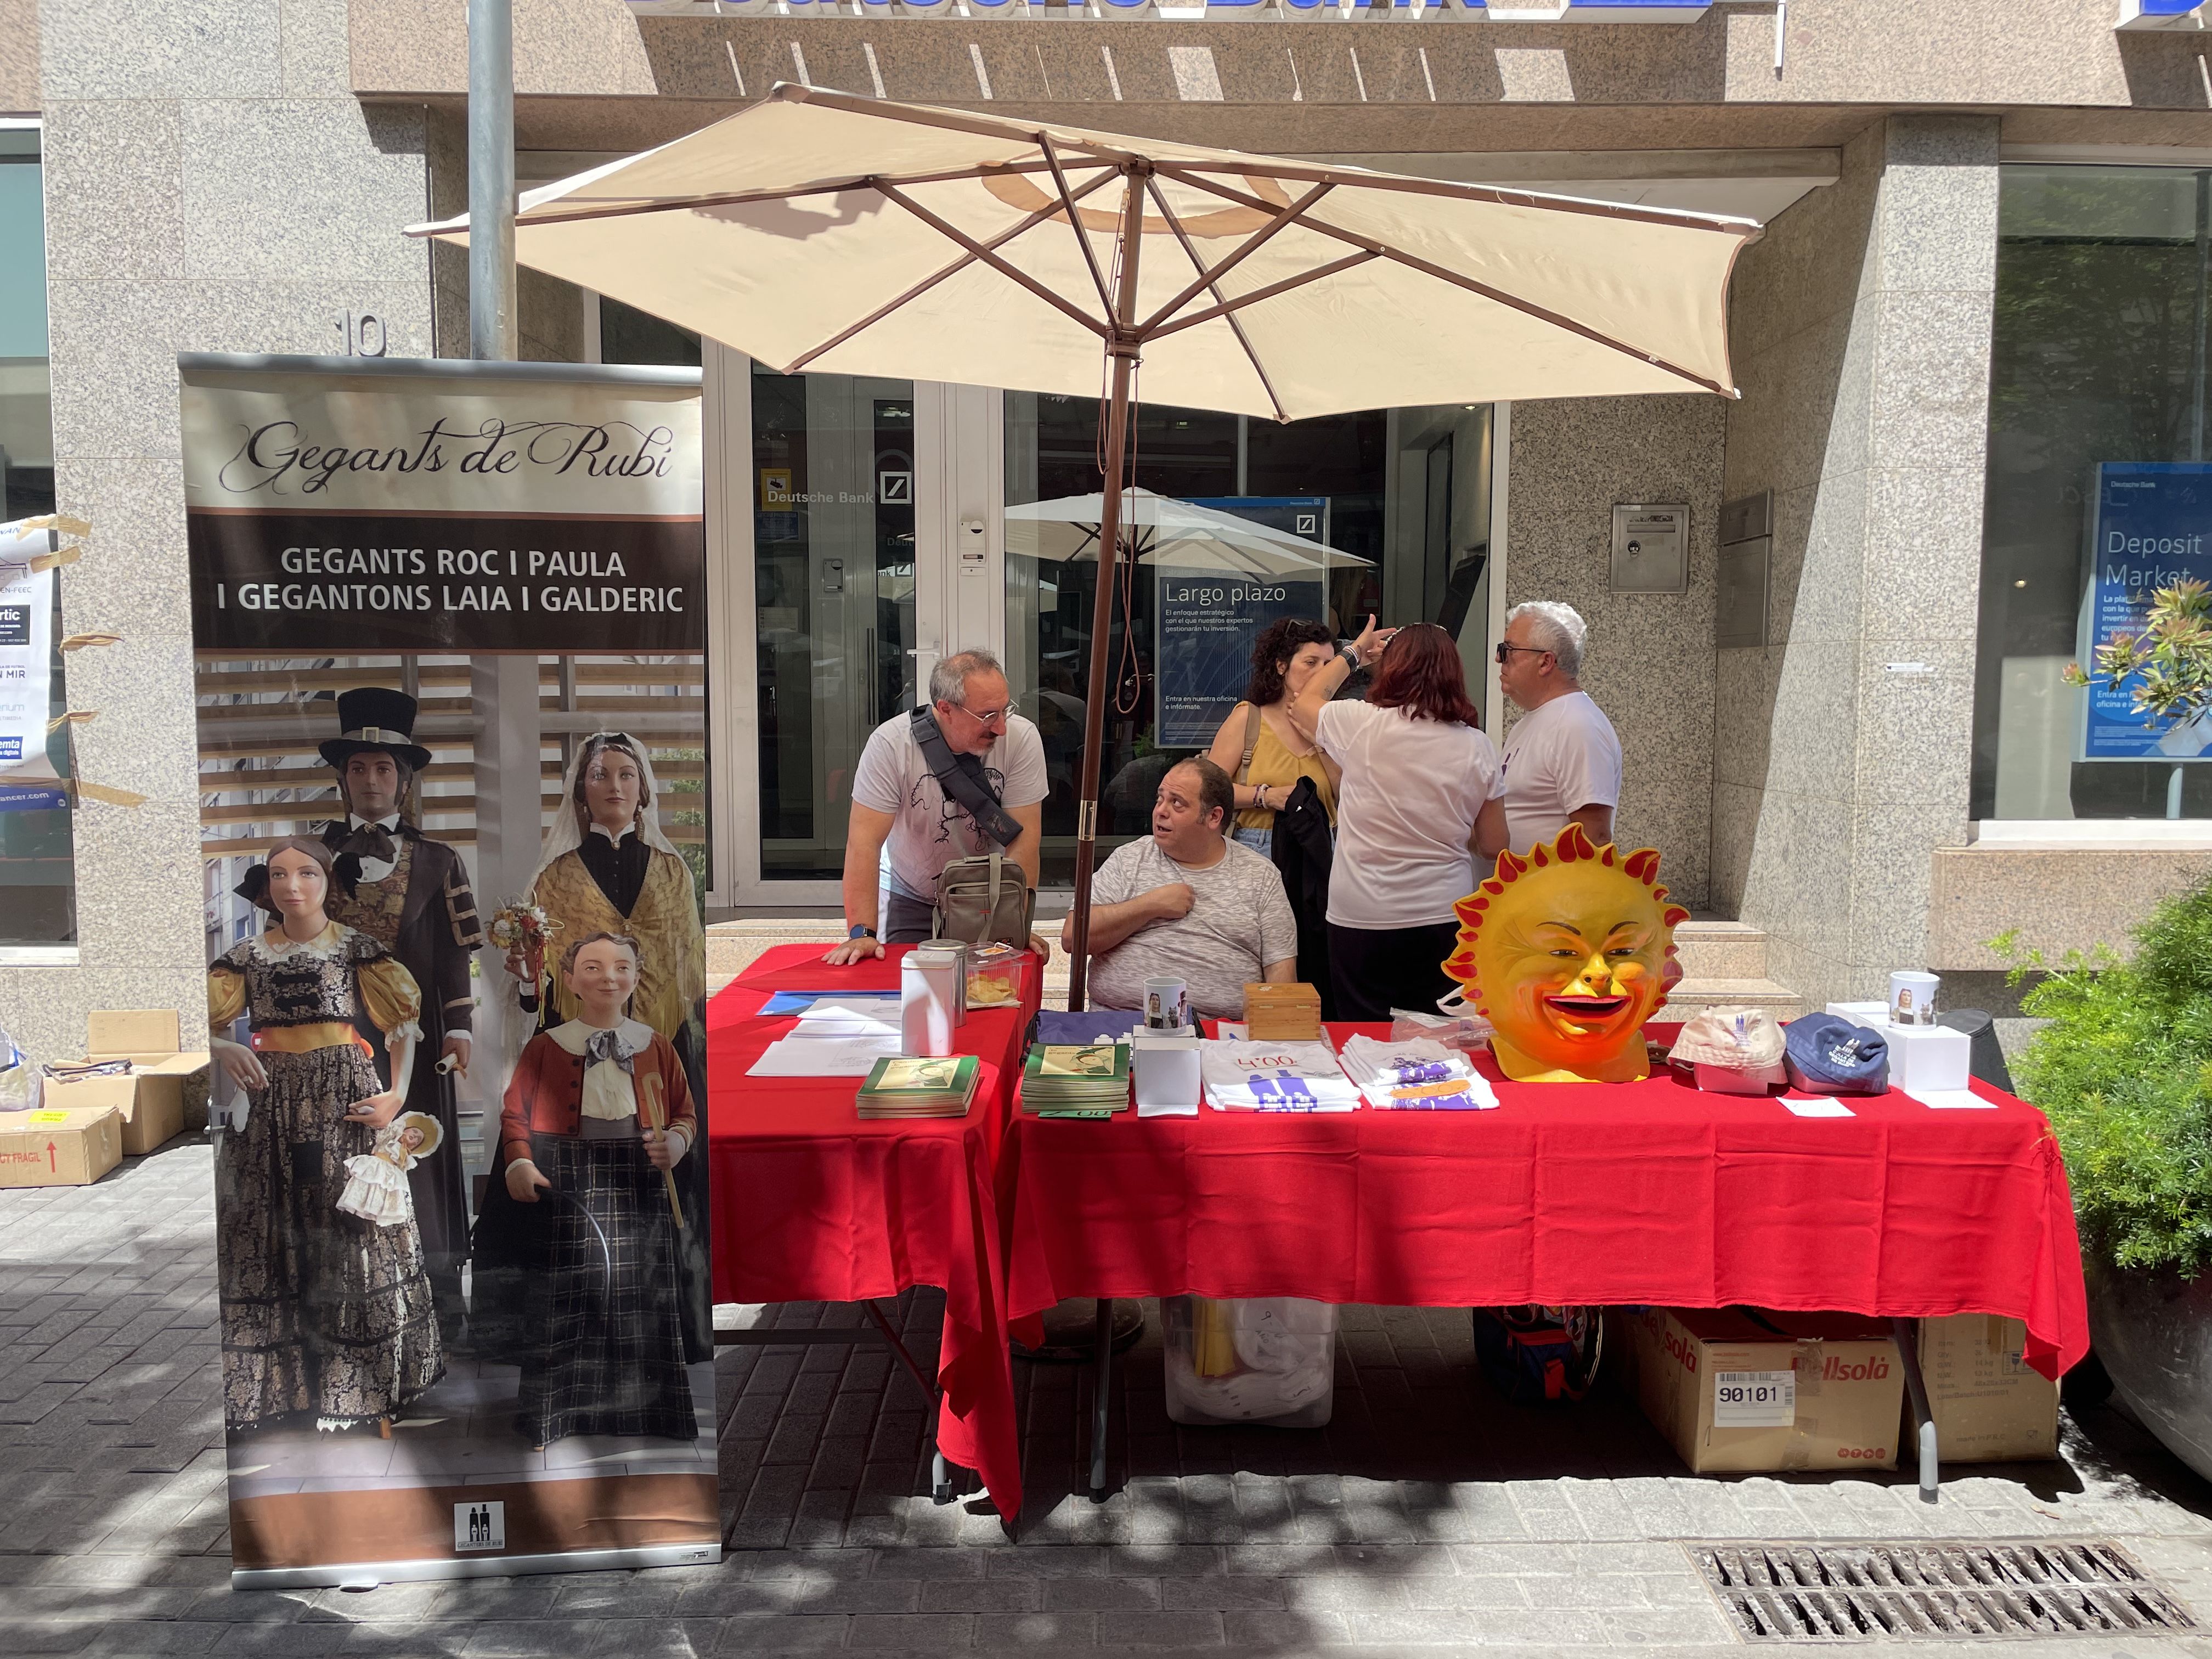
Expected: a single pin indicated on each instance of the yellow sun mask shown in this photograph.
(1568, 951)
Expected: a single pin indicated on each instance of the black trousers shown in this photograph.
(906, 921)
(1375, 970)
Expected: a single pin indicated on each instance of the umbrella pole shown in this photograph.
(1122, 347)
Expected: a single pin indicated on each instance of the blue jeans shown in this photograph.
(1262, 842)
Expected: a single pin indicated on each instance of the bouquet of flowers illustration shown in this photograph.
(516, 926)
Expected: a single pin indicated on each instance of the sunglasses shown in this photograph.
(1504, 651)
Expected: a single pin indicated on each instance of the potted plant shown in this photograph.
(2124, 1071)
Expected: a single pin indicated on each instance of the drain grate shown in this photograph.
(1927, 1591)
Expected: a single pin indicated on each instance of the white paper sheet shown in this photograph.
(1953, 1100)
(1819, 1108)
(854, 1056)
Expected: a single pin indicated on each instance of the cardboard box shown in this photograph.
(55, 1147)
(1989, 1407)
(150, 1098)
(1821, 1392)
(1282, 1014)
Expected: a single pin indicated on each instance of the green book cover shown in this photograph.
(1087, 1062)
(898, 1076)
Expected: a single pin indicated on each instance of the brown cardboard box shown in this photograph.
(57, 1147)
(1282, 1014)
(1989, 1407)
(1823, 1391)
(150, 1098)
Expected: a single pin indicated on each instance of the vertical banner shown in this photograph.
(450, 628)
(28, 779)
(2152, 527)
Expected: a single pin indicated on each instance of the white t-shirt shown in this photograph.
(929, 832)
(1560, 757)
(1404, 815)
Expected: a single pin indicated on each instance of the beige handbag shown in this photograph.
(984, 899)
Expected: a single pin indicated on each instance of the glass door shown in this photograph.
(822, 567)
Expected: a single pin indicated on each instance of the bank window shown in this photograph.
(1382, 512)
(2097, 434)
(37, 891)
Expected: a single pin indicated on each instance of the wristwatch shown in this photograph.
(859, 930)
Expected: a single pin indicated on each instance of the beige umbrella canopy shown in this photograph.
(816, 230)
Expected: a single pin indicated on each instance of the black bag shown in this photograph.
(1304, 856)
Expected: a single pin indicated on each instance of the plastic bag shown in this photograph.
(21, 1085)
(1461, 1028)
(1269, 1359)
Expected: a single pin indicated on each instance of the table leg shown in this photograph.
(940, 1473)
(1908, 1349)
(1102, 1398)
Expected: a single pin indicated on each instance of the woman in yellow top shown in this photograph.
(1287, 655)
(325, 1315)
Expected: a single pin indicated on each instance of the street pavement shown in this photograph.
(1429, 1515)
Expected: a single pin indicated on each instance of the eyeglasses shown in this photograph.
(1505, 650)
(984, 716)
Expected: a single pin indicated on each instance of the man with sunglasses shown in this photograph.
(902, 802)
(1561, 760)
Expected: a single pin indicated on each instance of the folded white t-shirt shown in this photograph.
(1277, 1077)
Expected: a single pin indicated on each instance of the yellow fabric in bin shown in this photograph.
(1213, 1344)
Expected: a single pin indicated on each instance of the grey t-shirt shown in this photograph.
(930, 831)
(1239, 921)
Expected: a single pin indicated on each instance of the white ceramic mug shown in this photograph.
(1913, 998)
(1167, 1003)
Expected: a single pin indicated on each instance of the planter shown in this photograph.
(2152, 1330)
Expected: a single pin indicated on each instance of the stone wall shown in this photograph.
(1650, 660)
(212, 184)
(1860, 333)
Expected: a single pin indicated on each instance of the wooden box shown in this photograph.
(1282, 1014)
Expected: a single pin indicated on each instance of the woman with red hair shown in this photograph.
(1421, 808)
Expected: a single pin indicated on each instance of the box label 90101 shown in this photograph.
(1754, 1400)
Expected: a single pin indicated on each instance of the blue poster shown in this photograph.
(2151, 523)
(1203, 655)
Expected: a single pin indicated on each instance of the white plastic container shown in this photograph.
(1268, 1360)
(929, 992)
(1861, 1013)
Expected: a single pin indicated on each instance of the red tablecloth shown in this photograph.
(1570, 1192)
(812, 1204)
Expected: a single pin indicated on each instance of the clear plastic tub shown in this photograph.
(1269, 1360)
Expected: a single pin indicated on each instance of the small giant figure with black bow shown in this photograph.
(411, 895)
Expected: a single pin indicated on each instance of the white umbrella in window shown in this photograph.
(1172, 534)
(817, 230)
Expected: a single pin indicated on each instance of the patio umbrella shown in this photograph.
(819, 230)
(1160, 530)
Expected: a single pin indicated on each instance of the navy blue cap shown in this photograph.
(1829, 1055)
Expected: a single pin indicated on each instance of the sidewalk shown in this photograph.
(1428, 1515)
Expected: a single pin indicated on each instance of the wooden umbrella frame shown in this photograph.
(1123, 334)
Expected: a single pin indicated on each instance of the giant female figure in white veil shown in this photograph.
(608, 867)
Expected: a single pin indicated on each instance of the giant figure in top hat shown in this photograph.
(412, 896)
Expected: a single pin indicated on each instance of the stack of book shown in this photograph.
(1089, 1079)
(900, 1087)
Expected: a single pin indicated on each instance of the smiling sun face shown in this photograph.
(1568, 951)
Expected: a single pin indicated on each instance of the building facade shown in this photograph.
(1985, 275)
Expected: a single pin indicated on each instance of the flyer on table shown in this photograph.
(449, 622)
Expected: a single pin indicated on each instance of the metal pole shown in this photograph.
(1122, 347)
(491, 180)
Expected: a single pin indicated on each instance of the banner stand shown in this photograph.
(449, 626)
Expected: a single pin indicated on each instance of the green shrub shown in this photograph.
(2124, 1072)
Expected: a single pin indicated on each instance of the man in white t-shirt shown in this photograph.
(900, 808)
(1190, 902)
(1562, 761)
